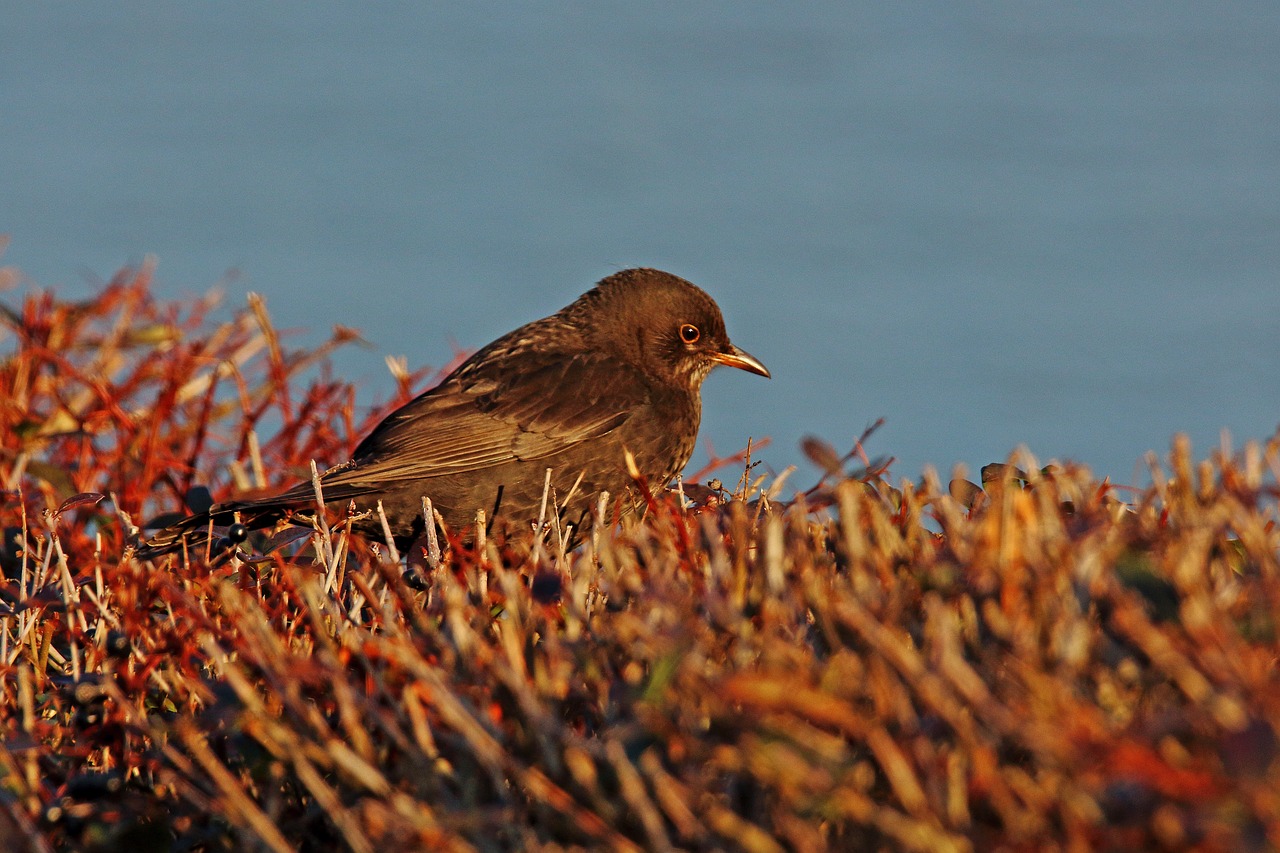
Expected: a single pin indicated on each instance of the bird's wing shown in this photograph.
(491, 414)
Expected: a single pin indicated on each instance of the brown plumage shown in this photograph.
(619, 369)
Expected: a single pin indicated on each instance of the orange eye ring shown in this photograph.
(690, 333)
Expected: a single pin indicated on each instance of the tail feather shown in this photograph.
(192, 533)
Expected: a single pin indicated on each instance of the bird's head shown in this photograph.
(665, 326)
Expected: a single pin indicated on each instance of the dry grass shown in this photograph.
(1033, 665)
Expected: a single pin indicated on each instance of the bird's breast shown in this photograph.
(661, 438)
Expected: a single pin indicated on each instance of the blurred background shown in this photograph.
(991, 225)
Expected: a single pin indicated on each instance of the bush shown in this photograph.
(1030, 664)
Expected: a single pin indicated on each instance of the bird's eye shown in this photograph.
(689, 333)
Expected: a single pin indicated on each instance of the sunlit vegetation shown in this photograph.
(1040, 661)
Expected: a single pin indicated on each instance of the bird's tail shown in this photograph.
(193, 533)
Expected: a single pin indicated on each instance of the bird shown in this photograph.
(606, 388)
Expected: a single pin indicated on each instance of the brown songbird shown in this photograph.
(619, 371)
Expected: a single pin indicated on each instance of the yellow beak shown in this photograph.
(742, 360)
